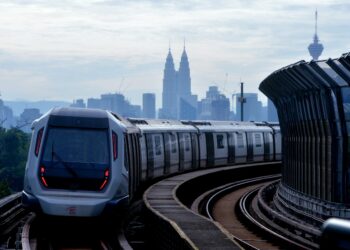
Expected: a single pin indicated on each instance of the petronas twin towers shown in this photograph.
(178, 102)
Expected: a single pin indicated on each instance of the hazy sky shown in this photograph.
(69, 49)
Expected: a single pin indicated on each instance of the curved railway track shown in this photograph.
(239, 208)
(220, 204)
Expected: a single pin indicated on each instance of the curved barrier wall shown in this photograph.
(313, 105)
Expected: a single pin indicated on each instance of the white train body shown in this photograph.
(86, 162)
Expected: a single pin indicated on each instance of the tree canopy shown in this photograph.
(14, 145)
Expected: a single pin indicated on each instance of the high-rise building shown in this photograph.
(116, 103)
(79, 103)
(252, 108)
(178, 102)
(94, 103)
(149, 105)
(184, 76)
(169, 95)
(221, 108)
(215, 106)
(315, 48)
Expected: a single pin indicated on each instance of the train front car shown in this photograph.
(75, 165)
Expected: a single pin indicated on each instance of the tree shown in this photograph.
(14, 145)
(4, 189)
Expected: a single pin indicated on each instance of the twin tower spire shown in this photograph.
(176, 85)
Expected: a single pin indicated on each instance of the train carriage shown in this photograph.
(87, 162)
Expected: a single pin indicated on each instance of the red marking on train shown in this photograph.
(44, 181)
(103, 184)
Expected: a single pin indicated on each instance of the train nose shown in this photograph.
(72, 206)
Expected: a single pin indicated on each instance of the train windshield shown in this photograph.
(75, 159)
(77, 146)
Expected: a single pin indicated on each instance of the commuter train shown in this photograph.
(88, 162)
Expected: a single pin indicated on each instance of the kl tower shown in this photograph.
(315, 48)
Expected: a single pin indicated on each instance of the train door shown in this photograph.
(210, 149)
(220, 148)
(231, 148)
(250, 147)
(158, 149)
(167, 145)
(241, 147)
(268, 146)
(195, 150)
(171, 153)
(258, 149)
(128, 163)
(143, 153)
(185, 151)
(202, 150)
(150, 156)
(137, 159)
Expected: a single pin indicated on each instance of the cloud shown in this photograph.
(80, 48)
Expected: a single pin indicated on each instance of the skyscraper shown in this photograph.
(149, 105)
(315, 48)
(178, 102)
(169, 95)
(215, 106)
(183, 76)
(252, 107)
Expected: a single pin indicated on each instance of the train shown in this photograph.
(91, 162)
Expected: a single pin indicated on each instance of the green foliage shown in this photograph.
(14, 145)
(4, 189)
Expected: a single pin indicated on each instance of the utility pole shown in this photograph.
(242, 100)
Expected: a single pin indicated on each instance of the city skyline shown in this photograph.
(95, 47)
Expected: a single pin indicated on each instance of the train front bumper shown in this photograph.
(74, 206)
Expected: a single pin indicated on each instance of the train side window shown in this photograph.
(240, 143)
(257, 140)
(157, 145)
(187, 142)
(173, 143)
(220, 141)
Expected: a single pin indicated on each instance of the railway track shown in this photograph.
(220, 205)
(241, 210)
(12, 218)
(42, 232)
(20, 229)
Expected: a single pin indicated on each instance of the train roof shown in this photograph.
(159, 125)
(79, 112)
(226, 126)
(130, 127)
(87, 117)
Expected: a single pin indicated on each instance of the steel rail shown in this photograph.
(217, 194)
(244, 204)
